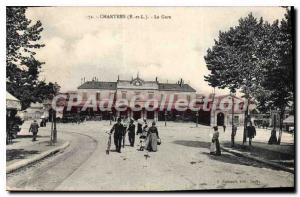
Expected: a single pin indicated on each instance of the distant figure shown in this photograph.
(152, 136)
(145, 127)
(34, 128)
(251, 132)
(224, 128)
(131, 133)
(139, 127)
(118, 133)
(233, 133)
(124, 123)
(273, 138)
(215, 142)
(43, 122)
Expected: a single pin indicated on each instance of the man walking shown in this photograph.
(131, 133)
(34, 128)
(233, 133)
(251, 132)
(118, 134)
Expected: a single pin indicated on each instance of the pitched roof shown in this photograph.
(99, 85)
(175, 87)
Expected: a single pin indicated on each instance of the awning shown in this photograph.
(12, 102)
(289, 120)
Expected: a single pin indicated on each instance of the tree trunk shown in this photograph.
(280, 124)
(245, 122)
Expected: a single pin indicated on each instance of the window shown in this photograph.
(98, 96)
(175, 97)
(84, 96)
(188, 97)
(150, 95)
(111, 95)
(123, 95)
(137, 95)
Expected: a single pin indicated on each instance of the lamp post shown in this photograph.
(232, 94)
(197, 118)
(54, 127)
(110, 113)
(165, 118)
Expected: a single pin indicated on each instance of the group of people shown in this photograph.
(147, 134)
(215, 143)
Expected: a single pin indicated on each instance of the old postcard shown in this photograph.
(150, 98)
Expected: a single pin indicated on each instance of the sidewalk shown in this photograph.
(278, 156)
(23, 151)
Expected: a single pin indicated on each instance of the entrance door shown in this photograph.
(137, 115)
(220, 119)
(150, 115)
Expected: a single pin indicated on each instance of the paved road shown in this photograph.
(181, 163)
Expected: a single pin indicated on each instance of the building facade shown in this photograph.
(141, 92)
(153, 100)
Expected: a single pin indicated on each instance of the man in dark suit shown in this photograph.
(251, 132)
(34, 128)
(131, 133)
(118, 134)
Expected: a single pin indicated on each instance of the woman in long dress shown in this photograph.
(273, 138)
(152, 136)
(215, 142)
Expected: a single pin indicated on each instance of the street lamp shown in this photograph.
(110, 113)
(232, 94)
(197, 119)
(166, 117)
(53, 136)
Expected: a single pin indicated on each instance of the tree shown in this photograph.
(233, 60)
(22, 68)
(257, 58)
(279, 79)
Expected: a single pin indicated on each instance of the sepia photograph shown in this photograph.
(150, 99)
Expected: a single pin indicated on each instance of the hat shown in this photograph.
(215, 128)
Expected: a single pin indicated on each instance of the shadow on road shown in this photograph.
(19, 154)
(30, 136)
(191, 143)
(225, 157)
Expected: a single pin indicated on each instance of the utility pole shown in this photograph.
(110, 113)
(165, 118)
(197, 118)
(54, 127)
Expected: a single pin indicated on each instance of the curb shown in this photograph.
(20, 164)
(275, 165)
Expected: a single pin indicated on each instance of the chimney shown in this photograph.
(156, 79)
(118, 77)
(83, 79)
(181, 82)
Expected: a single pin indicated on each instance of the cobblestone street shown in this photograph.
(181, 163)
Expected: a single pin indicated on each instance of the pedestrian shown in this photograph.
(118, 133)
(215, 141)
(131, 133)
(251, 132)
(34, 128)
(124, 123)
(273, 138)
(145, 127)
(233, 133)
(139, 127)
(152, 136)
(224, 127)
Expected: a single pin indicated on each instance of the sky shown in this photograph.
(78, 46)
